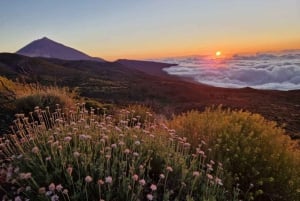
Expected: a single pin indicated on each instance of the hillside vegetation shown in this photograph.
(98, 151)
(135, 154)
(114, 83)
(254, 151)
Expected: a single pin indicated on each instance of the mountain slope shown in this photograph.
(114, 83)
(149, 67)
(47, 48)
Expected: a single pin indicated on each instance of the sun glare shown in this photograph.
(218, 53)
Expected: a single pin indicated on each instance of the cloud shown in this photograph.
(280, 70)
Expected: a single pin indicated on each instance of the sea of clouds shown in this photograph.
(277, 70)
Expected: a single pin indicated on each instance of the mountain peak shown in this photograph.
(48, 48)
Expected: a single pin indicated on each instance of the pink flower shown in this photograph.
(68, 139)
(153, 187)
(18, 198)
(162, 176)
(51, 187)
(209, 176)
(126, 151)
(25, 175)
(70, 170)
(135, 177)
(108, 179)
(88, 179)
(196, 174)
(100, 182)
(35, 150)
(169, 168)
(142, 182)
(150, 197)
(59, 188)
(76, 154)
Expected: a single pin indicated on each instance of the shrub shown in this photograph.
(89, 157)
(44, 97)
(254, 151)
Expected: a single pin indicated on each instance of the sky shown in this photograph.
(139, 29)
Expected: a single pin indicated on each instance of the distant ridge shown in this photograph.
(48, 48)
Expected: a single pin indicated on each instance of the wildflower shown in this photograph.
(65, 191)
(186, 144)
(42, 190)
(121, 143)
(196, 174)
(162, 176)
(59, 188)
(219, 181)
(100, 182)
(70, 170)
(68, 139)
(126, 151)
(153, 187)
(88, 179)
(27, 175)
(135, 154)
(169, 168)
(142, 182)
(48, 158)
(49, 193)
(35, 150)
(209, 176)
(108, 179)
(18, 198)
(113, 145)
(150, 197)
(135, 177)
(212, 162)
(141, 167)
(209, 167)
(54, 198)
(76, 154)
(51, 187)
(137, 142)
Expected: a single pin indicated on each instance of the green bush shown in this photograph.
(89, 157)
(255, 152)
(45, 97)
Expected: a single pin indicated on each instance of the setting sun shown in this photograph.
(218, 53)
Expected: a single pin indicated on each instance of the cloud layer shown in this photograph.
(279, 70)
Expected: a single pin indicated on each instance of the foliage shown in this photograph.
(84, 156)
(254, 151)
